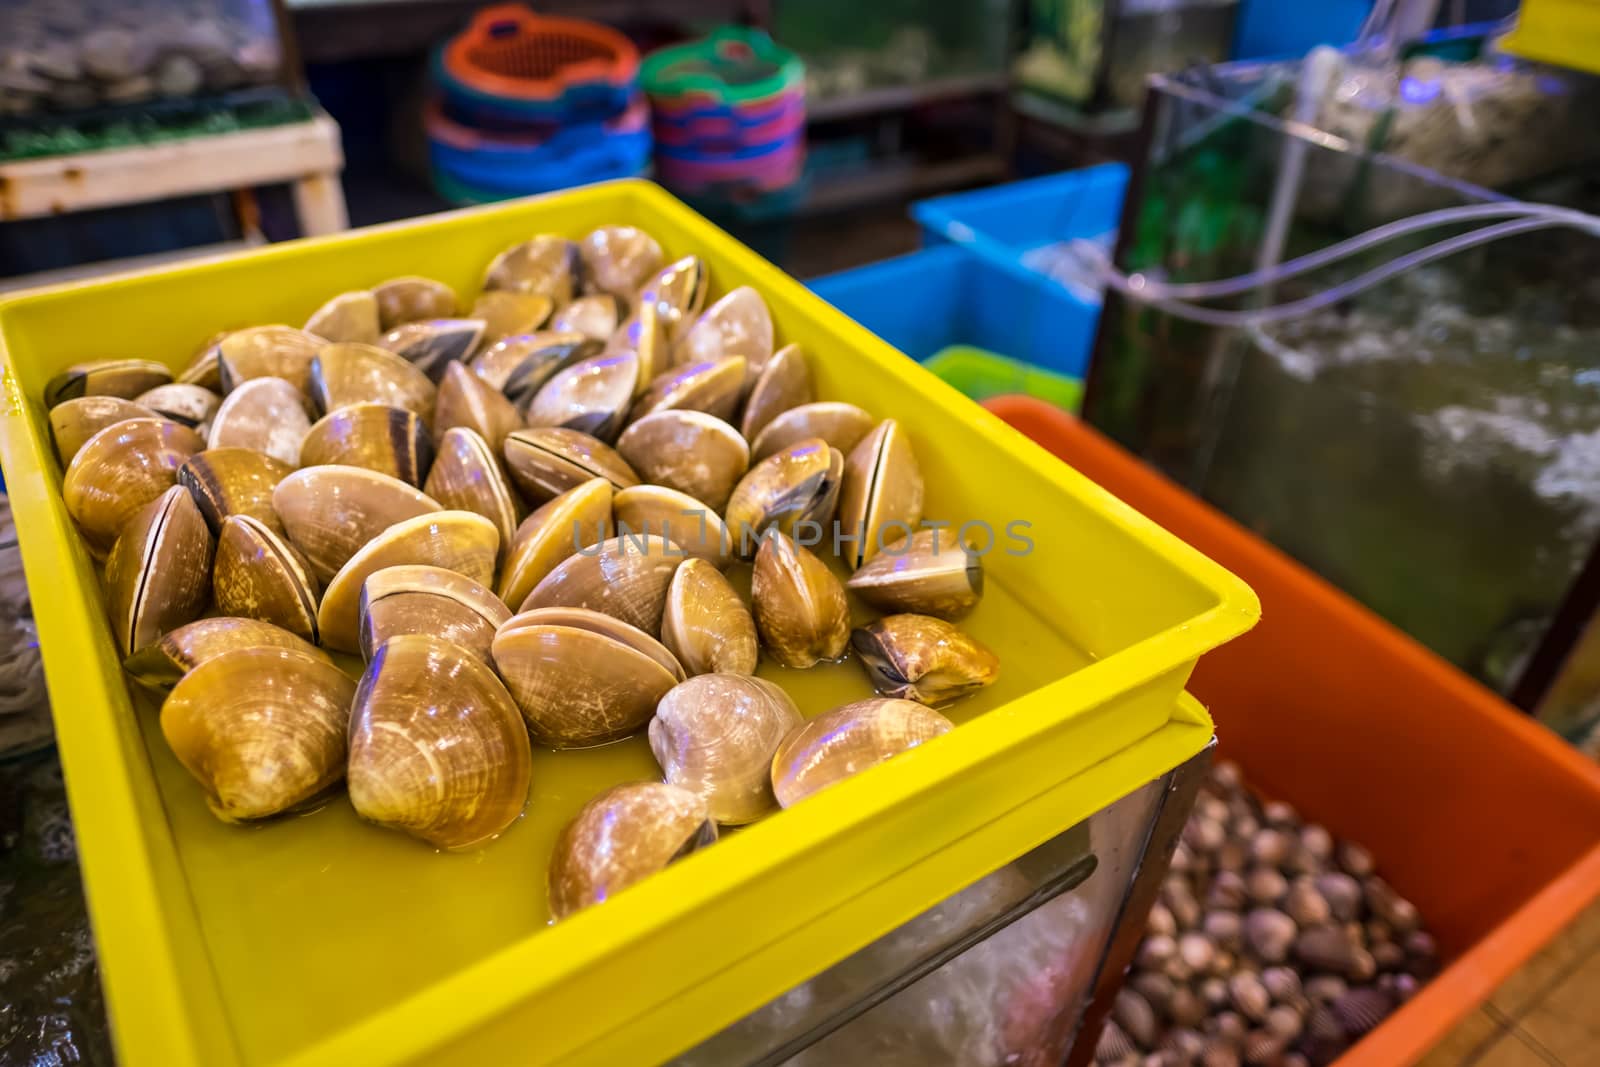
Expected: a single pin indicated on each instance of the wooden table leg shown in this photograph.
(319, 201)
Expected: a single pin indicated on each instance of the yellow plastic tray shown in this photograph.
(321, 941)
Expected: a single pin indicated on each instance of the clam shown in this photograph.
(204, 369)
(619, 259)
(841, 425)
(467, 477)
(162, 662)
(921, 658)
(706, 625)
(848, 740)
(784, 383)
(121, 469)
(547, 265)
(506, 314)
(329, 513)
(576, 519)
(690, 451)
(621, 837)
(266, 352)
(594, 316)
(156, 573)
(591, 397)
(799, 484)
(548, 461)
(345, 374)
(455, 540)
(715, 735)
(123, 378)
(409, 299)
(261, 729)
(518, 366)
(429, 600)
(882, 491)
(259, 575)
(434, 344)
(351, 316)
(678, 292)
(73, 422)
(191, 405)
(680, 518)
(466, 400)
(437, 748)
(380, 438)
(266, 415)
(737, 325)
(800, 607)
(582, 678)
(625, 577)
(713, 386)
(930, 573)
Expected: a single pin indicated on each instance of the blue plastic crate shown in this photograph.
(943, 296)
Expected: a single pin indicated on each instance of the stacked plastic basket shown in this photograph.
(527, 104)
(729, 116)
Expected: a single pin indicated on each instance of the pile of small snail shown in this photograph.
(362, 485)
(1272, 944)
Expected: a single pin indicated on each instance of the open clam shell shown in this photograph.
(800, 607)
(433, 344)
(409, 299)
(581, 683)
(345, 374)
(841, 425)
(455, 540)
(625, 577)
(121, 469)
(621, 837)
(160, 664)
(799, 484)
(506, 314)
(73, 422)
(548, 461)
(591, 397)
(712, 386)
(930, 573)
(619, 259)
(329, 513)
(705, 624)
(678, 293)
(921, 658)
(123, 378)
(517, 366)
(680, 518)
(351, 316)
(378, 437)
(266, 415)
(466, 400)
(266, 352)
(558, 528)
(881, 497)
(715, 735)
(156, 574)
(467, 476)
(783, 383)
(259, 575)
(596, 316)
(192, 405)
(690, 451)
(848, 740)
(429, 600)
(546, 265)
(437, 748)
(737, 325)
(261, 729)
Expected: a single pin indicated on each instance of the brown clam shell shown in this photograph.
(621, 837)
(800, 607)
(841, 425)
(678, 517)
(596, 315)
(345, 374)
(921, 658)
(429, 600)
(705, 624)
(715, 735)
(711, 386)
(783, 383)
(737, 325)
(848, 740)
(466, 400)
(799, 484)
(434, 344)
(625, 577)
(517, 366)
(546, 265)
(506, 314)
(122, 378)
(192, 405)
(378, 437)
(259, 575)
(882, 491)
(467, 476)
(690, 451)
(156, 574)
(558, 528)
(73, 422)
(351, 316)
(591, 397)
(174, 654)
(619, 259)
(121, 469)
(548, 461)
(411, 298)
(264, 414)
(266, 352)
(678, 293)
(329, 513)
(931, 573)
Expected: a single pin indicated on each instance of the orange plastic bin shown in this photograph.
(1486, 820)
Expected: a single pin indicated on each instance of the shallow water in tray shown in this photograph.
(329, 919)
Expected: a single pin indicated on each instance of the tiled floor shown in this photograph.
(1545, 1015)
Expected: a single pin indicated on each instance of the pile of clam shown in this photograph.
(1273, 944)
(363, 485)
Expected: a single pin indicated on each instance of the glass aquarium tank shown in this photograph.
(1432, 444)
